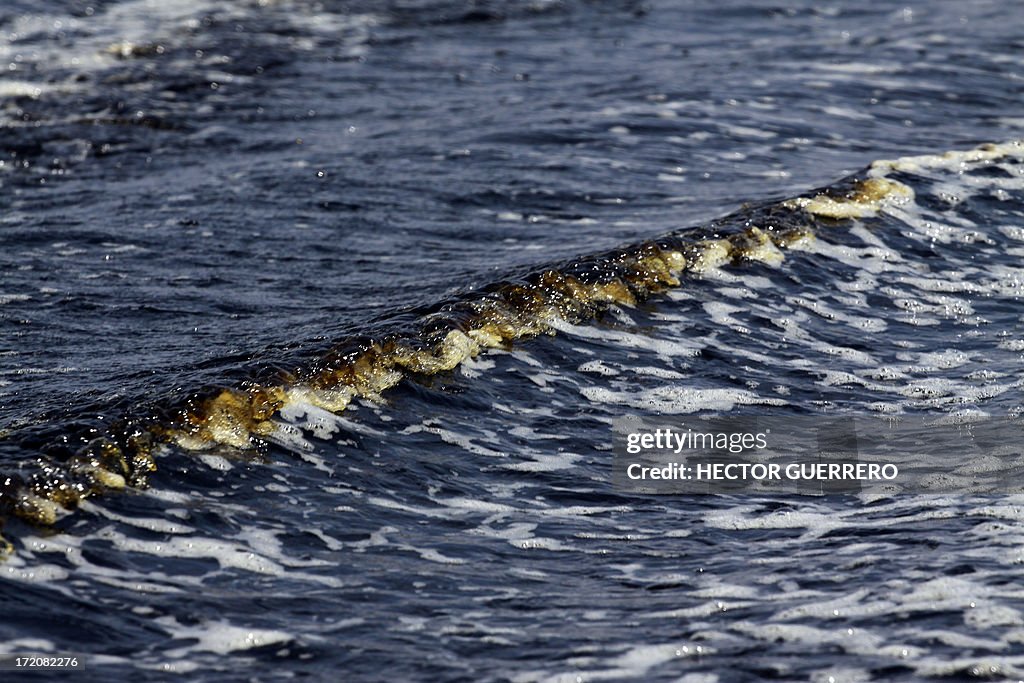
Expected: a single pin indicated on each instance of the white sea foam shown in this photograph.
(672, 400)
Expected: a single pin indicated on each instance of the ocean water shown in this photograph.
(316, 319)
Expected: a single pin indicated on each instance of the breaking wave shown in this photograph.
(61, 460)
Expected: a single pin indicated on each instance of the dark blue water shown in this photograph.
(196, 195)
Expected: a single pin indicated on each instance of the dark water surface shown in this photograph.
(199, 196)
